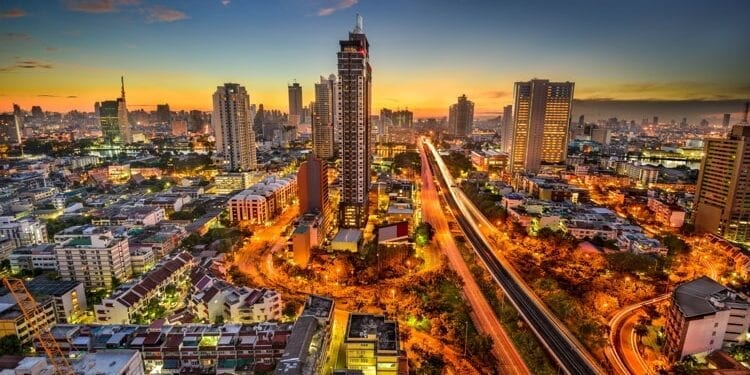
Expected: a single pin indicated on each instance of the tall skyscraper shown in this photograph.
(722, 200)
(540, 124)
(461, 117)
(312, 182)
(322, 117)
(402, 118)
(726, 119)
(506, 129)
(353, 109)
(656, 121)
(295, 105)
(109, 119)
(15, 130)
(126, 135)
(233, 127)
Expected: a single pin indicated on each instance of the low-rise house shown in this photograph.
(129, 301)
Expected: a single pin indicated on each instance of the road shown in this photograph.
(571, 355)
(622, 349)
(510, 361)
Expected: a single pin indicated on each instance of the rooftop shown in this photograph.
(704, 296)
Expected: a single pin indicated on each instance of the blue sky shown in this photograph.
(424, 53)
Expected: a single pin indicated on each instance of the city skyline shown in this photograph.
(651, 56)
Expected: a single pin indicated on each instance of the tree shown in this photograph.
(423, 233)
(10, 345)
(674, 244)
(290, 309)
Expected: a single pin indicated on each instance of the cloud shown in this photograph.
(51, 49)
(225, 2)
(26, 64)
(17, 36)
(341, 4)
(57, 96)
(98, 6)
(13, 13)
(161, 14)
(495, 94)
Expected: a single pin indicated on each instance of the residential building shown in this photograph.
(12, 321)
(323, 117)
(491, 161)
(26, 231)
(232, 121)
(68, 297)
(506, 129)
(372, 345)
(723, 193)
(123, 306)
(170, 202)
(263, 201)
(185, 348)
(308, 234)
(29, 258)
(311, 330)
(295, 105)
(667, 214)
(704, 316)
(353, 115)
(92, 255)
(229, 182)
(461, 117)
(540, 124)
(312, 189)
(129, 216)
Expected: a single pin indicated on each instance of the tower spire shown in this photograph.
(122, 86)
(358, 26)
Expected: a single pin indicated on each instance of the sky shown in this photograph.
(67, 54)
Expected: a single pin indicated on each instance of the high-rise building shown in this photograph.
(506, 129)
(113, 119)
(722, 199)
(15, 129)
(110, 121)
(36, 112)
(122, 114)
(295, 104)
(656, 121)
(233, 127)
(163, 114)
(540, 124)
(402, 118)
(323, 110)
(312, 188)
(726, 119)
(461, 117)
(353, 112)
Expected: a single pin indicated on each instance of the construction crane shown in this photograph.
(40, 332)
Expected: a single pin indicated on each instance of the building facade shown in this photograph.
(295, 105)
(92, 255)
(232, 121)
(722, 199)
(704, 316)
(323, 110)
(541, 117)
(312, 188)
(461, 117)
(353, 114)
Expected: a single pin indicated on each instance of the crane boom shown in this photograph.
(41, 332)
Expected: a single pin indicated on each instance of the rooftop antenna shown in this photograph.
(358, 27)
(122, 86)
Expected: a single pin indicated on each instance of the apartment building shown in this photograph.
(92, 255)
(705, 316)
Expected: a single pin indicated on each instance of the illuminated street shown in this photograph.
(509, 359)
